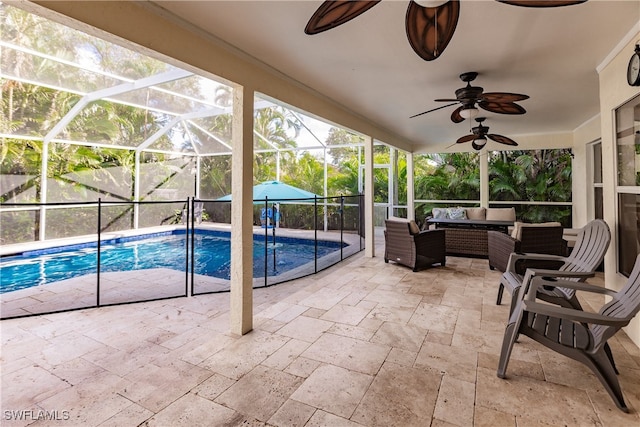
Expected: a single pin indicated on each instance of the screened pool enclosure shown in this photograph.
(100, 139)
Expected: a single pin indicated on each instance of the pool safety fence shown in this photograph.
(109, 253)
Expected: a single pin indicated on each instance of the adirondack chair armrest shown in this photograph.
(538, 281)
(515, 257)
(573, 315)
(550, 276)
(540, 272)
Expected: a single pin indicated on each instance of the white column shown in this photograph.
(483, 159)
(369, 230)
(136, 190)
(43, 189)
(197, 177)
(325, 192)
(242, 212)
(411, 209)
(392, 187)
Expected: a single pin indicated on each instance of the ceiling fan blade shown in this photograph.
(466, 138)
(502, 139)
(445, 100)
(330, 14)
(502, 107)
(503, 97)
(429, 29)
(433, 109)
(455, 116)
(542, 3)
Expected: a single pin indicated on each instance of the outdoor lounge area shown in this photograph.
(364, 343)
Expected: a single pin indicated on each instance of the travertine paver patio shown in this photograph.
(363, 343)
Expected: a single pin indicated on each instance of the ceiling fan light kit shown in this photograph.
(431, 3)
(469, 113)
(478, 144)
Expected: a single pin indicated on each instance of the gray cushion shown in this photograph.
(413, 227)
(501, 214)
(476, 213)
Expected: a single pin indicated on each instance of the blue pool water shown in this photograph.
(160, 250)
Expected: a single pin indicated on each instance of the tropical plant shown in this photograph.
(533, 175)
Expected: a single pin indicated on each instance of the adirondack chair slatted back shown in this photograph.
(624, 305)
(591, 245)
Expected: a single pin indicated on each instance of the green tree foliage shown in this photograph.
(533, 175)
(449, 176)
(274, 128)
(521, 175)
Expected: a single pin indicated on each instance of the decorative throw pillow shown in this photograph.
(476, 213)
(456, 213)
(439, 213)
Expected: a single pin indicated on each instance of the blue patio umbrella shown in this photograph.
(276, 191)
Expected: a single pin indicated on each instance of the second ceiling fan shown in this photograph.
(470, 96)
(479, 136)
(430, 24)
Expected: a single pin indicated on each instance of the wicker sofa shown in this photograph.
(469, 236)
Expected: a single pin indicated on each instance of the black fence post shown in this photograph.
(190, 250)
(341, 226)
(98, 253)
(361, 218)
(315, 233)
(266, 238)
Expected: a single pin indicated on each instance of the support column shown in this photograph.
(242, 212)
(44, 178)
(411, 209)
(136, 190)
(369, 230)
(483, 159)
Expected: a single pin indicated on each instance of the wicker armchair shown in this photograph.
(415, 250)
(539, 240)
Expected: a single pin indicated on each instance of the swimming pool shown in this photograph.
(212, 251)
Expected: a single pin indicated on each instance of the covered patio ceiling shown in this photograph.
(367, 65)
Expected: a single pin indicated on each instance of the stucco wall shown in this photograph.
(580, 169)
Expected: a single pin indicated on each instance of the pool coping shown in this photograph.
(20, 248)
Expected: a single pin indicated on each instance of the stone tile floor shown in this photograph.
(362, 344)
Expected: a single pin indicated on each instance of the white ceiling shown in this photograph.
(368, 66)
